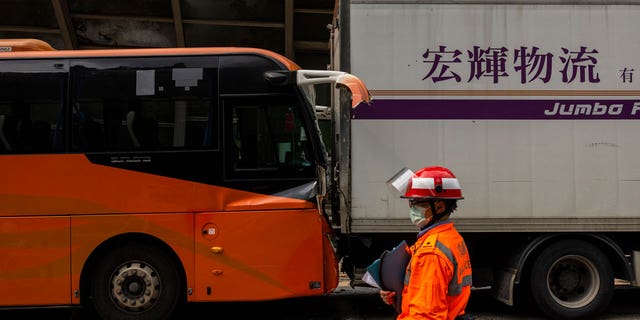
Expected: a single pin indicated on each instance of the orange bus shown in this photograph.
(136, 180)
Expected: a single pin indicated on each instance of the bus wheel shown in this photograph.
(572, 280)
(136, 281)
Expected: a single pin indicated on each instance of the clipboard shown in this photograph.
(393, 265)
(388, 271)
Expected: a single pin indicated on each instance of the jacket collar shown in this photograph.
(435, 225)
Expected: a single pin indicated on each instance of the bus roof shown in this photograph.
(37, 49)
(12, 45)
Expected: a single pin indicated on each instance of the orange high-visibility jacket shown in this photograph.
(437, 281)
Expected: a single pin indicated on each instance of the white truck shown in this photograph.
(534, 105)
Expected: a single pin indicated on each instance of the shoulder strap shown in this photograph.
(429, 244)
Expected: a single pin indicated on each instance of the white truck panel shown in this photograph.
(532, 149)
(393, 37)
(508, 169)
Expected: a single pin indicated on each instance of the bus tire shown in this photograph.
(571, 279)
(135, 281)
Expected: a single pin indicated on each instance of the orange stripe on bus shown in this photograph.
(508, 93)
(155, 52)
(70, 184)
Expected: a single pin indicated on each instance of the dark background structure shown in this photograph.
(297, 29)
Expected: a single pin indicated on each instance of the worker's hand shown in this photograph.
(387, 296)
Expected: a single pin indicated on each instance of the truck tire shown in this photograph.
(135, 281)
(571, 279)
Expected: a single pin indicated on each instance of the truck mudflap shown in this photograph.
(504, 284)
(636, 268)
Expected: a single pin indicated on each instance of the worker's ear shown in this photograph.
(441, 206)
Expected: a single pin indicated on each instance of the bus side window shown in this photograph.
(4, 144)
(145, 104)
(97, 125)
(246, 137)
(17, 127)
(31, 106)
(142, 126)
(266, 134)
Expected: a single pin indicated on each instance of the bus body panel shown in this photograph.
(88, 232)
(35, 266)
(118, 201)
(70, 184)
(274, 254)
(331, 258)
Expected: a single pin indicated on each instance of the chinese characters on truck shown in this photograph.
(527, 63)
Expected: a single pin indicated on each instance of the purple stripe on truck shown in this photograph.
(498, 109)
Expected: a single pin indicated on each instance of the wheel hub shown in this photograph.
(568, 278)
(573, 281)
(135, 286)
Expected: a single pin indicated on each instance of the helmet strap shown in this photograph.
(436, 216)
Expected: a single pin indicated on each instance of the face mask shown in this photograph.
(416, 214)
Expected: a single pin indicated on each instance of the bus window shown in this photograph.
(144, 104)
(267, 134)
(31, 105)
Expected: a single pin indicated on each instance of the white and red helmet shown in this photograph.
(433, 183)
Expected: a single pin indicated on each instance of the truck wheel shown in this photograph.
(572, 280)
(136, 281)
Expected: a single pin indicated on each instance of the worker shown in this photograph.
(437, 281)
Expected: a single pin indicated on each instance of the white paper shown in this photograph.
(369, 280)
(186, 77)
(145, 82)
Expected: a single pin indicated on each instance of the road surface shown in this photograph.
(345, 303)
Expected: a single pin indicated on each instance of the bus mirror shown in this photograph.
(323, 112)
(359, 92)
(277, 78)
(322, 109)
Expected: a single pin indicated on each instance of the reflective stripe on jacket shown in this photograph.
(438, 277)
